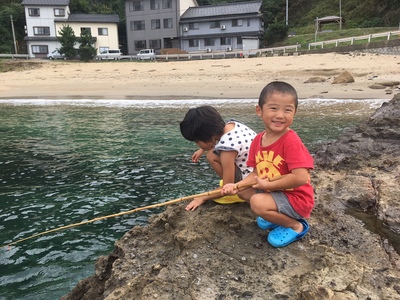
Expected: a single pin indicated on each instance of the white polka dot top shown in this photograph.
(238, 139)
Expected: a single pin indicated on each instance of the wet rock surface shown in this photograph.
(218, 252)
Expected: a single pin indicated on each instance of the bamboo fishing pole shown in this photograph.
(209, 193)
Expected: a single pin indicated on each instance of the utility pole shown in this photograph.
(340, 14)
(13, 32)
(287, 12)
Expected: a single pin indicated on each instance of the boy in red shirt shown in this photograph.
(278, 154)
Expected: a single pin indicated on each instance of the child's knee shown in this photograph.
(212, 157)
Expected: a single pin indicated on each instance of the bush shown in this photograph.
(275, 33)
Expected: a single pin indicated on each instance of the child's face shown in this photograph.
(278, 112)
(205, 145)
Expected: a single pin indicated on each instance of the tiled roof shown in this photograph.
(46, 2)
(84, 18)
(222, 9)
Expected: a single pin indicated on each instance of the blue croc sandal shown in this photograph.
(264, 224)
(281, 236)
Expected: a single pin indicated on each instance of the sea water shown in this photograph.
(69, 161)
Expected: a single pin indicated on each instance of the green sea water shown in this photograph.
(65, 161)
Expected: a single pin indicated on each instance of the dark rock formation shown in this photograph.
(218, 252)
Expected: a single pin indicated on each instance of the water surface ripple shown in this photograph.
(67, 161)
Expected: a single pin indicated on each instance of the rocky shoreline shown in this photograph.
(218, 252)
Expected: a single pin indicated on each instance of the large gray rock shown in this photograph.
(218, 252)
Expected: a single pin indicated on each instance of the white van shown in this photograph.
(146, 54)
(110, 54)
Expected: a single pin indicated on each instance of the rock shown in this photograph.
(377, 86)
(218, 252)
(315, 79)
(390, 83)
(344, 77)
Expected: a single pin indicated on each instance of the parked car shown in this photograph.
(115, 54)
(56, 55)
(146, 54)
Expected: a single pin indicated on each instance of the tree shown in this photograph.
(86, 49)
(6, 37)
(67, 40)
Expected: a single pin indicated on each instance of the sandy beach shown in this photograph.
(240, 78)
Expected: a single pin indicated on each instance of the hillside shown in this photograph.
(301, 15)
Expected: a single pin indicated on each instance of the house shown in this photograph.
(44, 19)
(103, 28)
(154, 23)
(224, 27)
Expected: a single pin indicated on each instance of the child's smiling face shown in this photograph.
(278, 112)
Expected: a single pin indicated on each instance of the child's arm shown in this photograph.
(196, 156)
(234, 188)
(295, 178)
(228, 166)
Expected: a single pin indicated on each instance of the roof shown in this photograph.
(329, 18)
(239, 8)
(46, 2)
(86, 18)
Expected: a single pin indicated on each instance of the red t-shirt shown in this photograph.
(281, 158)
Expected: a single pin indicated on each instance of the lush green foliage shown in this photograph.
(86, 49)
(67, 40)
(301, 15)
(6, 35)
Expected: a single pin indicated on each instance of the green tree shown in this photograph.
(86, 49)
(67, 40)
(6, 37)
(275, 33)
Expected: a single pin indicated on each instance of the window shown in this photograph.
(193, 26)
(155, 24)
(138, 25)
(156, 44)
(34, 12)
(214, 24)
(237, 23)
(167, 4)
(239, 40)
(135, 6)
(154, 5)
(226, 41)
(59, 12)
(193, 43)
(40, 49)
(102, 31)
(209, 42)
(86, 29)
(140, 45)
(41, 30)
(168, 23)
(248, 22)
(102, 49)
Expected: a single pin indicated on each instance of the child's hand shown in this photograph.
(229, 189)
(260, 183)
(195, 204)
(196, 156)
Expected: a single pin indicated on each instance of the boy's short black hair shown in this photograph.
(202, 124)
(277, 87)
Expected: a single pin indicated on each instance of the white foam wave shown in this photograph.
(374, 103)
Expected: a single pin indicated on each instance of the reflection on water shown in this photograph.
(64, 162)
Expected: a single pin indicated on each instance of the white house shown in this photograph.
(44, 19)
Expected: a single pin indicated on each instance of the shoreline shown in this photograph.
(202, 79)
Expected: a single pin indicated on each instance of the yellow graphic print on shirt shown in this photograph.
(268, 164)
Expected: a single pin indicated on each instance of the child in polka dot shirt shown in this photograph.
(227, 145)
